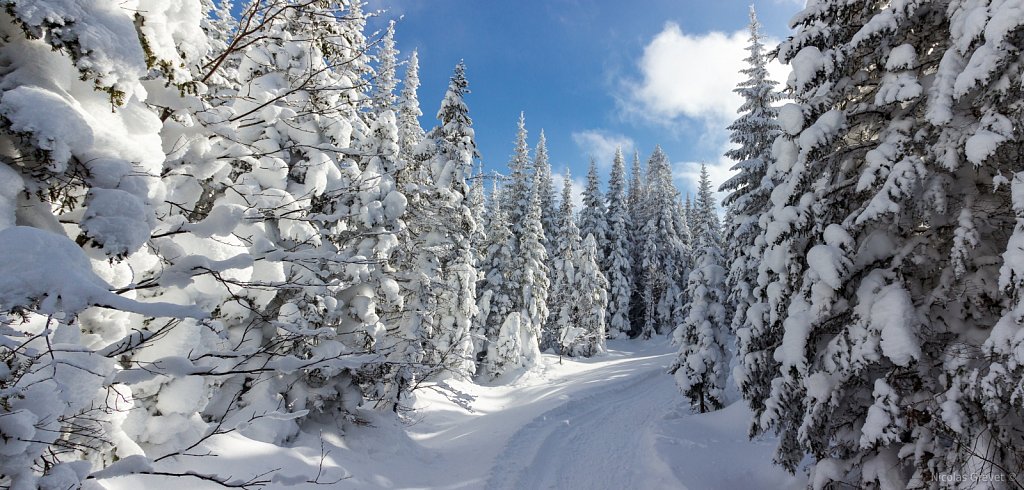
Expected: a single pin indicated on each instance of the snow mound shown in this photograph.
(46, 268)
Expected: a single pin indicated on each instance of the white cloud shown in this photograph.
(688, 78)
(687, 75)
(578, 184)
(601, 145)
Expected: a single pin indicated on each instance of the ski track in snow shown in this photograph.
(601, 440)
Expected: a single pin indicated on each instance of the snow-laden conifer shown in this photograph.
(592, 216)
(887, 293)
(563, 273)
(702, 333)
(497, 295)
(618, 261)
(585, 336)
(749, 191)
(545, 187)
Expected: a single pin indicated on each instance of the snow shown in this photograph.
(40, 266)
(898, 87)
(981, 145)
(827, 262)
(98, 28)
(31, 110)
(118, 220)
(11, 184)
(902, 56)
(893, 313)
(823, 130)
(791, 119)
(807, 63)
(612, 421)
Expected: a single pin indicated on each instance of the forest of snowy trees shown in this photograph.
(215, 222)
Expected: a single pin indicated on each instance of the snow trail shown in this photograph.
(609, 422)
(603, 439)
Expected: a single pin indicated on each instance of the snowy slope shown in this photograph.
(615, 421)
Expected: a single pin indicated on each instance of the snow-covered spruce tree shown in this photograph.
(585, 335)
(283, 184)
(519, 181)
(618, 261)
(386, 82)
(530, 277)
(636, 203)
(563, 272)
(674, 253)
(415, 262)
(497, 295)
(688, 209)
(662, 256)
(683, 232)
(477, 202)
(410, 133)
(451, 238)
(702, 330)
(889, 283)
(749, 192)
(81, 166)
(327, 215)
(549, 215)
(592, 216)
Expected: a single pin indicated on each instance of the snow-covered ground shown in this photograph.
(614, 421)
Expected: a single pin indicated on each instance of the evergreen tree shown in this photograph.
(531, 275)
(242, 217)
(519, 192)
(749, 191)
(702, 365)
(478, 207)
(387, 79)
(410, 133)
(585, 335)
(447, 244)
(688, 209)
(636, 202)
(80, 163)
(618, 264)
(887, 260)
(497, 297)
(282, 162)
(517, 343)
(662, 255)
(592, 216)
(563, 282)
(549, 213)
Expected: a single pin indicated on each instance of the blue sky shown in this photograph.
(591, 73)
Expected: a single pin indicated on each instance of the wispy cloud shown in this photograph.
(601, 145)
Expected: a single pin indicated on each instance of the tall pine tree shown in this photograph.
(592, 216)
(618, 261)
(563, 275)
(702, 366)
(887, 296)
(749, 191)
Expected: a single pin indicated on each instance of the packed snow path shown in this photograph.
(601, 438)
(614, 421)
